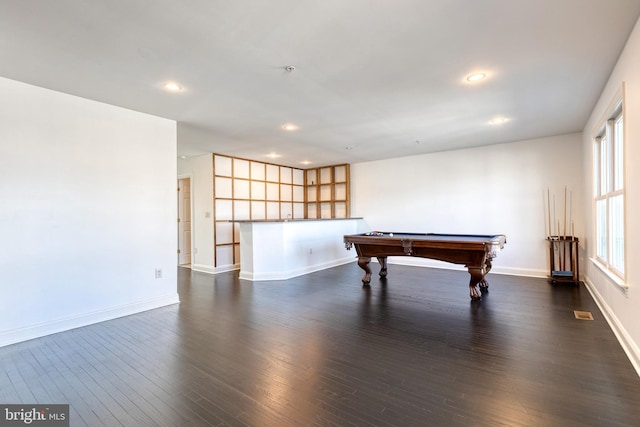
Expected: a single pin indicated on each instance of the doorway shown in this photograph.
(184, 222)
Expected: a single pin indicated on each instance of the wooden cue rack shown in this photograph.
(563, 249)
(563, 259)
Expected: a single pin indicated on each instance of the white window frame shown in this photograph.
(609, 187)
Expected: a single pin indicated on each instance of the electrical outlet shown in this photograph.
(158, 273)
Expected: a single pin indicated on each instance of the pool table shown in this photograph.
(474, 251)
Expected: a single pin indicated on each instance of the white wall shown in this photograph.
(200, 169)
(88, 211)
(499, 189)
(621, 306)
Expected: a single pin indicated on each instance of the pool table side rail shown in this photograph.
(430, 240)
(457, 251)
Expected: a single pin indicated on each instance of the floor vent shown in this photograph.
(583, 315)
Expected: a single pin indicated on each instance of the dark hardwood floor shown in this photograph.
(320, 349)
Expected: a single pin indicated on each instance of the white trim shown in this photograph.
(400, 260)
(203, 268)
(617, 280)
(614, 110)
(496, 269)
(72, 322)
(284, 275)
(225, 268)
(617, 101)
(191, 216)
(625, 340)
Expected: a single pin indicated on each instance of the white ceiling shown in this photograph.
(384, 78)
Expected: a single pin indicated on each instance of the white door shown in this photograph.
(184, 221)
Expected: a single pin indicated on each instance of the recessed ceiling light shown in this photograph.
(173, 87)
(305, 162)
(183, 157)
(476, 77)
(273, 155)
(498, 121)
(289, 127)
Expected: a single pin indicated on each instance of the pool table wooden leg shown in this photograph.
(363, 262)
(484, 285)
(383, 266)
(477, 276)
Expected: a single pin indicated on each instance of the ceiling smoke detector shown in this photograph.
(290, 68)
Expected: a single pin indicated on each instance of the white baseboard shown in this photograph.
(522, 272)
(284, 275)
(225, 268)
(627, 343)
(64, 324)
(214, 270)
(399, 260)
(496, 269)
(203, 268)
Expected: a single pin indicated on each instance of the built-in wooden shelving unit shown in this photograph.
(250, 190)
(327, 192)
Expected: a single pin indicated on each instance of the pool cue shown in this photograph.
(571, 211)
(559, 248)
(554, 212)
(564, 232)
(549, 211)
(552, 231)
(574, 261)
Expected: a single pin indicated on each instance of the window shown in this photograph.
(608, 175)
